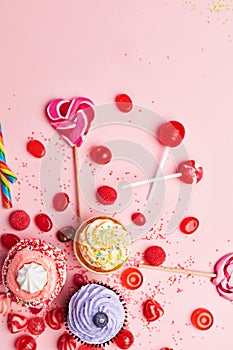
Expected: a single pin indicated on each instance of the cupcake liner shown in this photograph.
(46, 249)
(115, 336)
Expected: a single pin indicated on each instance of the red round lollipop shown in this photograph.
(191, 172)
(171, 133)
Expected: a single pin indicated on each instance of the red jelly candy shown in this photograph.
(152, 310)
(106, 195)
(202, 319)
(66, 342)
(124, 103)
(25, 342)
(55, 318)
(132, 278)
(19, 220)
(36, 148)
(8, 240)
(124, 339)
(171, 133)
(101, 155)
(154, 255)
(16, 323)
(36, 325)
(43, 222)
(189, 225)
(138, 219)
(35, 311)
(61, 201)
(78, 280)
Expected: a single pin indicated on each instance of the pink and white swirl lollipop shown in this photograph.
(222, 277)
(72, 119)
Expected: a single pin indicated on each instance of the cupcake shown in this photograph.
(102, 244)
(34, 273)
(95, 314)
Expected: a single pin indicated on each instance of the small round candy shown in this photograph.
(202, 319)
(154, 255)
(66, 234)
(61, 201)
(36, 325)
(43, 222)
(78, 280)
(36, 148)
(124, 103)
(191, 172)
(132, 278)
(171, 133)
(106, 195)
(101, 155)
(124, 339)
(25, 342)
(8, 240)
(100, 319)
(138, 219)
(19, 220)
(189, 225)
(55, 318)
(152, 310)
(66, 341)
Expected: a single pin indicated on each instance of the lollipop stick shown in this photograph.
(175, 269)
(76, 165)
(154, 179)
(159, 171)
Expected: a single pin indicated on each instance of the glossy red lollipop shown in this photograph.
(191, 172)
(171, 133)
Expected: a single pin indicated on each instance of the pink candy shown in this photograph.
(71, 118)
(224, 276)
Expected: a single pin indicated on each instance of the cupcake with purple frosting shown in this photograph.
(95, 314)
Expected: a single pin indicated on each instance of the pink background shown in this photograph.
(171, 56)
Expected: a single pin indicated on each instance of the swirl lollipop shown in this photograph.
(222, 277)
(170, 134)
(72, 119)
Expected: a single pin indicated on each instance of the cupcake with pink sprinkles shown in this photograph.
(34, 273)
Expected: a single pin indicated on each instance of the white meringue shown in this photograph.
(32, 277)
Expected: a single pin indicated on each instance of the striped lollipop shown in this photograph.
(6, 175)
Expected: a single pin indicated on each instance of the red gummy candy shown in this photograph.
(124, 103)
(36, 148)
(61, 201)
(189, 225)
(106, 195)
(124, 339)
(19, 220)
(154, 255)
(152, 310)
(101, 155)
(138, 219)
(36, 325)
(8, 240)
(66, 342)
(25, 342)
(16, 323)
(55, 318)
(43, 222)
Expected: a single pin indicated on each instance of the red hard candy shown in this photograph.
(36, 148)
(55, 318)
(36, 325)
(61, 201)
(189, 225)
(25, 342)
(43, 222)
(138, 219)
(152, 310)
(101, 155)
(79, 280)
(191, 172)
(202, 319)
(66, 342)
(16, 323)
(132, 278)
(106, 195)
(19, 220)
(8, 240)
(124, 339)
(124, 103)
(171, 133)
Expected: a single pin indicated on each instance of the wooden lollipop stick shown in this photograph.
(76, 165)
(175, 269)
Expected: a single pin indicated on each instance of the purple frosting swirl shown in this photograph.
(85, 303)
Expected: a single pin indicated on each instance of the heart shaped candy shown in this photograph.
(16, 323)
(71, 118)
